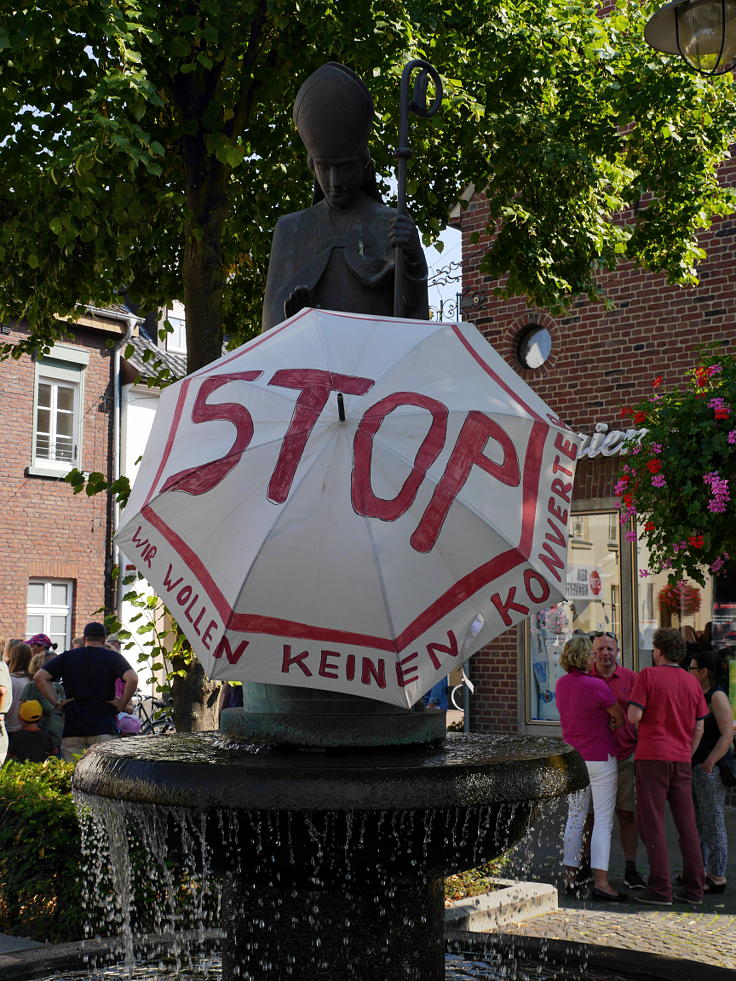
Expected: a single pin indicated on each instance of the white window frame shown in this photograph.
(47, 610)
(63, 366)
(176, 341)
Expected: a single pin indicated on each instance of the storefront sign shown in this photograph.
(583, 582)
(601, 442)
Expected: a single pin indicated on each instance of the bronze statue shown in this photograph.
(339, 254)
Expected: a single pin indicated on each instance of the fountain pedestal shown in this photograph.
(336, 932)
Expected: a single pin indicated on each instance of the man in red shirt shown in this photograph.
(667, 704)
(621, 681)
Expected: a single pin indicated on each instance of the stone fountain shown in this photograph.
(333, 857)
(331, 819)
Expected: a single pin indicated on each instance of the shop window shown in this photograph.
(57, 412)
(48, 610)
(593, 592)
(687, 606)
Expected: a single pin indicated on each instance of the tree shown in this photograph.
(147, 146)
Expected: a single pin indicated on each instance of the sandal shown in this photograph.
(712, 887)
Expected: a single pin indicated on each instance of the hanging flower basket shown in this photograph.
(677, 488)
(681, 598)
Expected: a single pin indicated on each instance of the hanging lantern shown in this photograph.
(703, 32)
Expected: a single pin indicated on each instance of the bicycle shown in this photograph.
(154, 715)
(457, 698)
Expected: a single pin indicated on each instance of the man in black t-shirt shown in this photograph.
(89, 674)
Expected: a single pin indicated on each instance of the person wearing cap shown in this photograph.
(52, 720)
(42, 642)
(339, 254)
(30, 743)
(89, 674)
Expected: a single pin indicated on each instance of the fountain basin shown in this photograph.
(331, 861)
(434, 809)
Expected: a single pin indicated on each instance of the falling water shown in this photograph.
(316, 863)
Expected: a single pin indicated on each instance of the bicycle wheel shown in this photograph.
(456, 697)
(160, 726)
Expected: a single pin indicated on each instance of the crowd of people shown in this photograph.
(662, 736)
(59, 704)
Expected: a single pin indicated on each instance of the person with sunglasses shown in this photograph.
(709, 792)
(588, 714)
(604, 665)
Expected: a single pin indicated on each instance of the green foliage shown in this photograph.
(473, 882)
(681, 483)
(40, 885)
(154, 638)
(149, 146)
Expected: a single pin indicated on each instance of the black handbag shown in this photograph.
(727, 769)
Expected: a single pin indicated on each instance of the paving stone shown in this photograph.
(706, 934)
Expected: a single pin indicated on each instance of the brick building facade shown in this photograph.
(55, 546)
(598, 361)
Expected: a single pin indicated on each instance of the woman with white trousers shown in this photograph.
(589, 713)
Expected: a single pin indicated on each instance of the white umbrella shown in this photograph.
(369, 554)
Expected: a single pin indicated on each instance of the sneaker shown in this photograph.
(651, 898)
(682, 897)
(634, 881)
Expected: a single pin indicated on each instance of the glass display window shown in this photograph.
(593, 602)
(687, 606)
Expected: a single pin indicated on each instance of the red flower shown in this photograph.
(657, 381)
(649, 526)
(628, 500)
(701, 377)
(626, 411)
(721, 413)
(640, 417)
(654, 466)
(696, 541)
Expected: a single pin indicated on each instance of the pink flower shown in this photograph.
(656, 448)
(714, 369)
(732, 437)
(630, 536)
(658, 480)
(720, 492)
(643, 573)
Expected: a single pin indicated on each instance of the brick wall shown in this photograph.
(45, 530)
(601, 360)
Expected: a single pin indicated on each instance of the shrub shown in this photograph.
(473, 882)
(40, 884)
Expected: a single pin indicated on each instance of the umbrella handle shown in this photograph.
(418, 105)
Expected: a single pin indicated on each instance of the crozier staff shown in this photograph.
(339, 254)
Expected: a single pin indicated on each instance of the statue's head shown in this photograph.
(333, 112)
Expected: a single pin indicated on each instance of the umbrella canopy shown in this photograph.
(352, 504)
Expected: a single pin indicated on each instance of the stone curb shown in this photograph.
(510, 903)
(586, 957)
(29, 963)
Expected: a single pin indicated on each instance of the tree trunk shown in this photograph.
(196, 700)
(202, 269)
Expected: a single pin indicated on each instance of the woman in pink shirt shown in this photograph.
(589, 713)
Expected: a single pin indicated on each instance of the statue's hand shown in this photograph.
(403, 235)
(298, 299)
